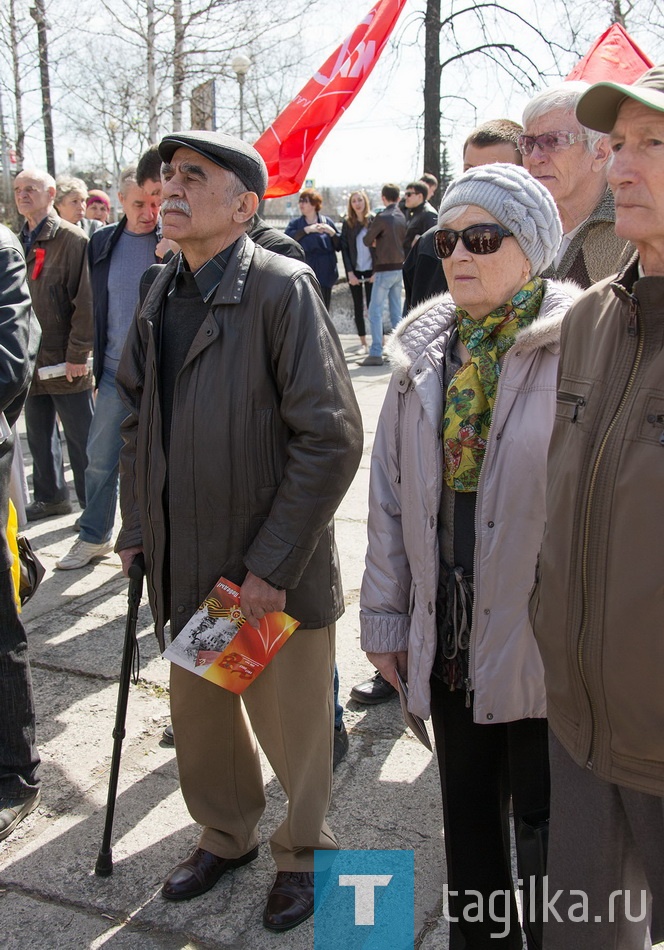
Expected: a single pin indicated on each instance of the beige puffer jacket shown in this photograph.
(397, 604)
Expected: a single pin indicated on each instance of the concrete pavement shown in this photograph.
(386, 793)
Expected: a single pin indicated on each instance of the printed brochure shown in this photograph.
(219, 645)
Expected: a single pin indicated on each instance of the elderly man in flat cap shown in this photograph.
(243, 436)
(598, 604)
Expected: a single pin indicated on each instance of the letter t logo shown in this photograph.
(364, 885)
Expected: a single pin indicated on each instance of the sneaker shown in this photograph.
(340, 745)
(12, 812)
(372, 361)
(374, 691)
(81, 553)
(47, 509)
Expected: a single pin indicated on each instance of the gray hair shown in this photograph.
(128, 177)
(565, 96)
(66, 185)
(235, 185)
(452, 214)
(234, 188)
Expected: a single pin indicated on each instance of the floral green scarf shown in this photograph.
(472, 390)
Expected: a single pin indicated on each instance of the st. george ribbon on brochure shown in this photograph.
(219, 645)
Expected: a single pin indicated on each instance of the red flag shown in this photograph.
(291, 142)
(614, 57)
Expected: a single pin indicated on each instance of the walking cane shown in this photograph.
(104, 865)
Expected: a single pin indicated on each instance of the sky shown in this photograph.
(379, 138)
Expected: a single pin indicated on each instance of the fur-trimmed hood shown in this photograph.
(436, 316)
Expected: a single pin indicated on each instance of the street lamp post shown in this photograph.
(240, 65)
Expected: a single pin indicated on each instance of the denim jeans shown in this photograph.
(48, 473)
(386, 287)
(19, 759)
(101, 475)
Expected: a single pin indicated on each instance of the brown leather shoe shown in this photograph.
(199, 872)
(290, 901)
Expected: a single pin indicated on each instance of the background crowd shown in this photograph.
(521, 416)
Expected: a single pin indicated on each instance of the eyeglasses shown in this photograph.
(409, 194)
(303, 201)
(478, 239)
(549, 141)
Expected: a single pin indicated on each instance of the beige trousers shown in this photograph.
(289, 709)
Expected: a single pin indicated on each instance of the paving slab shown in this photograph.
(385, 795)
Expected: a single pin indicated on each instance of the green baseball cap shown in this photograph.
(598, 108)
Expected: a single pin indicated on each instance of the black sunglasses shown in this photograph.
(478, 239)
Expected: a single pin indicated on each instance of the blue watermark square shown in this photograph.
(364, 900)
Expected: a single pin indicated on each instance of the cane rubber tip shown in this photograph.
(104, 865)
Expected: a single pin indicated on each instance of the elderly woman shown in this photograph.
(71, 195)
(456, 515)
(319, 238)
(98, 206)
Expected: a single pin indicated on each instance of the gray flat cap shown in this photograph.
(225, 151)
(598, 108)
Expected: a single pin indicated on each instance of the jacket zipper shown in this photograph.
(633, 328)
(577, 401)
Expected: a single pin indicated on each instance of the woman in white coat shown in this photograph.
(456, 516)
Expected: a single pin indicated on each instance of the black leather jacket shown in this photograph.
(265, 440)
(20, 334)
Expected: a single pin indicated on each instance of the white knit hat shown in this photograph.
(517, 201)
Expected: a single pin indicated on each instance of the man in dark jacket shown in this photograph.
(242, 437)
(19, 341)
(598, 603)
(59, 283)
(385, 236)
(420, 215)
(118, 254)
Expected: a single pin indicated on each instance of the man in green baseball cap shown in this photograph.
(598, 604)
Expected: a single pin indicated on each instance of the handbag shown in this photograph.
(32, 569)
(27, 570)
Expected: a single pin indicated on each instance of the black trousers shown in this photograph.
(481, 767)
(360, 292)
(327, 296)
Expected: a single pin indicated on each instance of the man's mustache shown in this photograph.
(176, 204)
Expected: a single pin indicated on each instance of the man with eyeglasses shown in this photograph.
(571, 162)
(597, 607)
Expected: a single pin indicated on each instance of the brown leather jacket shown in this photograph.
(597, 607)
(62, 300)
(385, 236)
(265, 439)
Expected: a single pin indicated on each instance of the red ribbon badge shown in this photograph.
(40, 254)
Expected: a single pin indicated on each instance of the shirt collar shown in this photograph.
(208, 277)
(29, 237)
